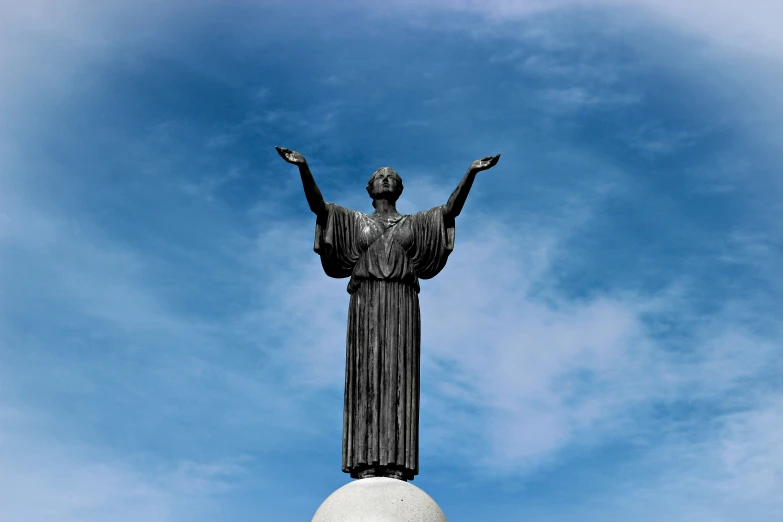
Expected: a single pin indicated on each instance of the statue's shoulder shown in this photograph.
(334, 207)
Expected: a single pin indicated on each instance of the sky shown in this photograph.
(603, 345)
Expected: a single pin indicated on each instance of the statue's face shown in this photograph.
(386, 184)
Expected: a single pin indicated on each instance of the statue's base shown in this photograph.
(379, 499)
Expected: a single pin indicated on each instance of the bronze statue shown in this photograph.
(385, 254)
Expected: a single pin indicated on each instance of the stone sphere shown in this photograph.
(379, 499)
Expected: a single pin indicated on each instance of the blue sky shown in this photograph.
(604, 343)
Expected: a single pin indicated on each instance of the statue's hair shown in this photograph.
(380, 170)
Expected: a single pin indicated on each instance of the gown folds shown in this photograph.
(385, 260)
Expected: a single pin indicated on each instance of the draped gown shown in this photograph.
(385, 260)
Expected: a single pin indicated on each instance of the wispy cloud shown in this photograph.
(576, 97)
(550, 372)
(163, 315)
(125, 365)
(44, 479)
(656, 140)
(516, 375)
(517, 372)
(748, 26)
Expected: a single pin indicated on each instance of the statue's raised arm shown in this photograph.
(314, 197)
(457, 200)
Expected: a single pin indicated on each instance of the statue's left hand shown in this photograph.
(484, 163)
(291, 156)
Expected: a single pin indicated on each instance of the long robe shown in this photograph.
(385, 260)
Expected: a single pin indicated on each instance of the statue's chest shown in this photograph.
(385, 234)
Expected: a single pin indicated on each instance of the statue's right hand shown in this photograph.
(291, 156)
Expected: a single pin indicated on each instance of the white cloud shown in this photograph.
(516, 374)
(730, 468)
(750, 453)
(576, 97)
(47, 47)
(749, 26)
(109, 348)
(44, 479)
(542, 372)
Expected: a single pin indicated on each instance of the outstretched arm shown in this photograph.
(460, 195)
(314, 197)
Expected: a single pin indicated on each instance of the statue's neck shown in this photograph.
(385, 207)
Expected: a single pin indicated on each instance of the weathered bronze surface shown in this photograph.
(384, 254)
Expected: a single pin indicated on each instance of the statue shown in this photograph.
(385, 254)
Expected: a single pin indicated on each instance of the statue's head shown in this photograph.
(384, 183)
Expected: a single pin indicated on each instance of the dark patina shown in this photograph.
(385, 254)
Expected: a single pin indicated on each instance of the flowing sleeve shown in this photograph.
(433, 241)
(336, 240)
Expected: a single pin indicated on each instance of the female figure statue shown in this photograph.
(385, 254)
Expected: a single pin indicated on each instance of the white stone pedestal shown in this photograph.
(379, 499)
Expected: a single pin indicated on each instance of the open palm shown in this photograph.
(485, 163)
(291, 156)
